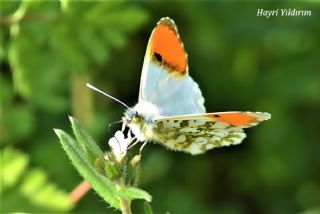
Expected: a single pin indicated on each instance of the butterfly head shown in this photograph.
(135, 122)
(142, 112)
(132, 116)
(141, 119)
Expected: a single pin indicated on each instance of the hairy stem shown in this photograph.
(125, 206)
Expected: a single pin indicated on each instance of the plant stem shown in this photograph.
(125, 206)
(79, 191)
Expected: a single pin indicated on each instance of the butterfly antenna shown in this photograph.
(115, 99)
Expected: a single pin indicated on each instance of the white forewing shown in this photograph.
(173, 95)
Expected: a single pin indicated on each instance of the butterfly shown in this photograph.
(170, 109)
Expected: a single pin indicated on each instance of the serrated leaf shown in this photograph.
(132, 193)
(85, 139)
(103, 186)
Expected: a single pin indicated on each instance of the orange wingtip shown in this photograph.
(240, 118)
(166, 48)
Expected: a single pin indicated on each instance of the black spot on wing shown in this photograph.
(158, 56)
(184, 123)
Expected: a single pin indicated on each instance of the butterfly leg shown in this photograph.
(123, 126)
(133, 144)
(145, 142)
(134, 139)
(129, 135)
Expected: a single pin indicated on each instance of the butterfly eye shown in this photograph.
(129, 115)
(136, 118)
(158, 56)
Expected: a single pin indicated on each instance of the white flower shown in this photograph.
(119, 144)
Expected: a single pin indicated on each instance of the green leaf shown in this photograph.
(112, 170)
(84, 138)
(36, 187)
(13, 164)
(147, 208)
(103, 186)
(134, 193)
(27, 190)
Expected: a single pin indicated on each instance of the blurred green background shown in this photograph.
(49, 50)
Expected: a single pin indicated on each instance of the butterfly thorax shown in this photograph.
(140, 119)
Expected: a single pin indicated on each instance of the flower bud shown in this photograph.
(98, 165)
(112, 170)
(135, 160)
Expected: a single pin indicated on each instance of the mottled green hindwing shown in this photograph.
(196, 136)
